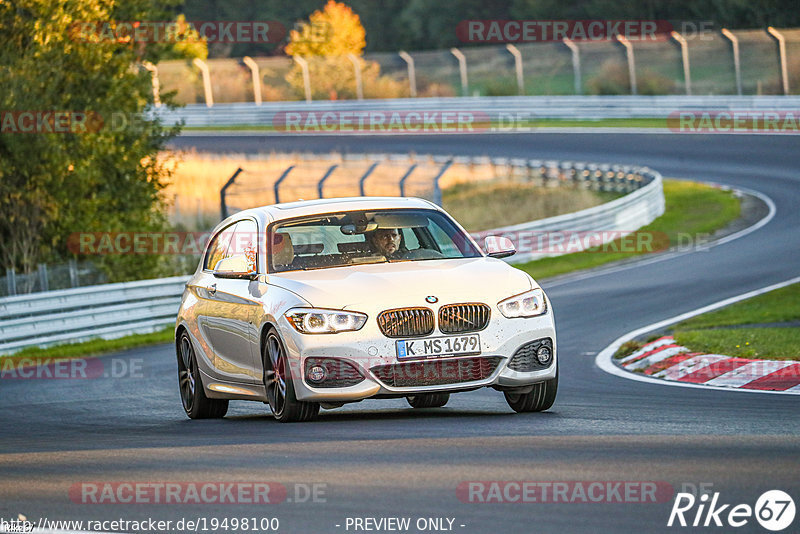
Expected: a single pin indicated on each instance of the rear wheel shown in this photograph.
(193, 397)
(280, 388)
(540, 398)
(428, 400)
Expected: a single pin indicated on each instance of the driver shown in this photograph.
(386, 241)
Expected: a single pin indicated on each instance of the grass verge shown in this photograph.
(94, 347)
(703, 333)
(692, 210)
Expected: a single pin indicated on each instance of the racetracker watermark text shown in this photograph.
(574, 491)
(210, 31)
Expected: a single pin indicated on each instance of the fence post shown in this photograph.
(437, 191)
(517, 67)
(412, 73)
(73, 273)
(782, 53)
(631, 62)
(278, 182)
(462, 69)
(737, 66)
(404, 178)
(43, 282)
(364, 178)
(325, 177)
(576, 64)
(687, 75)
(200, 64)
(306, 76)
(256, 78)
(357, 69)
(11, 280)
(154, 79)
(222, 192)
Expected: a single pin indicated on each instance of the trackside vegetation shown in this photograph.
(693, 212)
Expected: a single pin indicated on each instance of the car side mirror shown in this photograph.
(499, 247)
(236, 267)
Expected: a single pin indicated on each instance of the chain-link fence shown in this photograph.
(50, 277)
(598, 67)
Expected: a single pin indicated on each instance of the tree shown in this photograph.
(105, 174)
(325, 41)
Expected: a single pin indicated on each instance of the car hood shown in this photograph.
(394, 285)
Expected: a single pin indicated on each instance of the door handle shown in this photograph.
(213, 289)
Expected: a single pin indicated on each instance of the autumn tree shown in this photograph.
(325, 41)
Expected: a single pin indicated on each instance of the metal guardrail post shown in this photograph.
(517, 67)
(11, 281)
(364, 178)
(154, 79)
(576, 64)
(73, 273)
(278, 182)
(412, 72)
(462, 70)
(782, 53)
(437, 191)
(247, 60)
(737, 65)
(325, 177)
(306, 76)
(200, 64)
(43, 281)
(222, 204)
(357, 70)
(404, 178)
(687, 75)
(631, 62)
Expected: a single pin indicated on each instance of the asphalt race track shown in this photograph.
(380, 459)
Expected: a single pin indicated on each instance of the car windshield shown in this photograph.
(363, 237)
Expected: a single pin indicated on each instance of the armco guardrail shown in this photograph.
(115, 310)
(71, 315)
(609, 221)
(500, 110)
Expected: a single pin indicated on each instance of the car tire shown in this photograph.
(279, 385)
(193, 396)
(428, 400)
(540, 398)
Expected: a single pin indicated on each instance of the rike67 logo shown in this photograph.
(774, 510)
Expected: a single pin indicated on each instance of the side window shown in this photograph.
(410, 238)
(245, 241)
(446, 245)
(218, 250)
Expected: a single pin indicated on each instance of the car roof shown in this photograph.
(289, 210)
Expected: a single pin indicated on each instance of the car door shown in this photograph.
(228, 310)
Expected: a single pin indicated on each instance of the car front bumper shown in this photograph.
(368, 350)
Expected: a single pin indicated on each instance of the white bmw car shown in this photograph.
(320, 303)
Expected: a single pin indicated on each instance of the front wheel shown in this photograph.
(428, 400)
(194, 400)
(280, 388)
(540, 398)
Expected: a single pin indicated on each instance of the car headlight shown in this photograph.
(315, 321)
(528, 304)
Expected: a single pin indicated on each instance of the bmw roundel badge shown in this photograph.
(431, 299)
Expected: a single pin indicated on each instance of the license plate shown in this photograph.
(439, 346)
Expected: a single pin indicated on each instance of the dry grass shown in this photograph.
(494, 205)
(479, 195)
